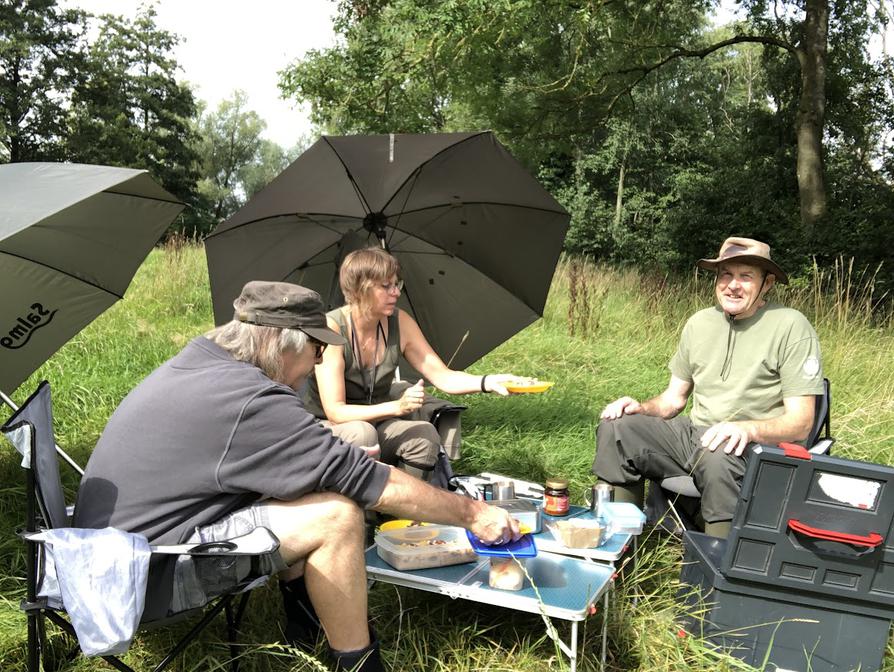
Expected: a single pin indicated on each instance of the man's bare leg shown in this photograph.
(326, 531)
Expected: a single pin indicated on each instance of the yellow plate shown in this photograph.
(398, 524)
(529, 389)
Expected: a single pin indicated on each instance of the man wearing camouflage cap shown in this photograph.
(752, 368)
(216, 442)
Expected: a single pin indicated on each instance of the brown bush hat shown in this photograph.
(287, 306)
(745, 251)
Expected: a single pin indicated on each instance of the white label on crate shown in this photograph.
(856, 492)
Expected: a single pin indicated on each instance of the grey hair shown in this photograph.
(257, 345)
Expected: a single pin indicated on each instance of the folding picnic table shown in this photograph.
(559, 587)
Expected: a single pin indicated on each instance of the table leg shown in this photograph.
(604, 626)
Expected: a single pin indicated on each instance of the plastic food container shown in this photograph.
(624, 518)
(506, 573)
(579, 533)
(421, 547)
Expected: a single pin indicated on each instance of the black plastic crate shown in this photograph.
(789, 630)
(815, 524)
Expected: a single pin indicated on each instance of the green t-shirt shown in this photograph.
(742, 370)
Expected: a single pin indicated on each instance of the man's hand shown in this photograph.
(622, 406)
(494, 525)
(411, 400)
(735, 435)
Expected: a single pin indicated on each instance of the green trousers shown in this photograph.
(634, 447)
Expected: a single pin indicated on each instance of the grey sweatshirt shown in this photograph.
(204, 435)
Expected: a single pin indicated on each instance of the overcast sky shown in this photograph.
(239, 44)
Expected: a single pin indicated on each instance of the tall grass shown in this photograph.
(605, 333)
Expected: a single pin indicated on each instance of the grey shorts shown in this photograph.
(199, 579)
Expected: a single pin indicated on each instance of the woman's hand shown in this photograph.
(411, 400)
(374, 452)
(496, 382)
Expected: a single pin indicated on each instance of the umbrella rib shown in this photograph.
(145, 198)
(419, 168)
(400, 212)
(321, 263)
(442, 253)
(66, 273)
(308, 215)
(501, 203)
(353, 182)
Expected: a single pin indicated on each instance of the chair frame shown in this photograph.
(679, 496)
(38, 517)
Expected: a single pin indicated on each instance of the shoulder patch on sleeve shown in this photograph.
(811, 367)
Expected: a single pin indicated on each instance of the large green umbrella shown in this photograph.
(477, 237)
(71, 238)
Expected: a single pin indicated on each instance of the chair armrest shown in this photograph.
(257, 542)
(681, 485)
(822, 447)
(445, 410)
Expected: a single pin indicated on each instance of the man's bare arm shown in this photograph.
(793, 425)
(408, 497)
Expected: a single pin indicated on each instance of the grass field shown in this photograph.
(605, 333)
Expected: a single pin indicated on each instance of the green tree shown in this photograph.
(131, 110)
(230, 140)
(236, 162)
(660, 134)
(269, 162)
(41, 48)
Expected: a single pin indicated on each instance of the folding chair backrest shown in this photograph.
(821, 415)
(37, 413)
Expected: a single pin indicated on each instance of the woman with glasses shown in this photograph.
(353, 388)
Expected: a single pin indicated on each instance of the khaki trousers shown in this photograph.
(403, 441)
(637, 446)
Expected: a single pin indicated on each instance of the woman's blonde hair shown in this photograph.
(259, 346)
(361, 269)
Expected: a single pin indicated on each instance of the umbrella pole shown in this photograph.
(71, 463)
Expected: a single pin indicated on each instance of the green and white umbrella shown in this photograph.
(71, 238)
(476, 235)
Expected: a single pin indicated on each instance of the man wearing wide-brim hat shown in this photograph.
(752, 368)
(216, 442)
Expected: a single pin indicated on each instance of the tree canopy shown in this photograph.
(660, 132)
(118, 99)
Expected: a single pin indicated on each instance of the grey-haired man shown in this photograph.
(216, 442)
(752, 368)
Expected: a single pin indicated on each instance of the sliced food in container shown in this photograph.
(423, 547)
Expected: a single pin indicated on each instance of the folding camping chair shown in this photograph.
(31, 430)
(673, 502)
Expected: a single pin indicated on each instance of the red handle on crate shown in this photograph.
(872, 540)
(794, 450)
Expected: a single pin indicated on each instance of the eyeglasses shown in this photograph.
(318, 346)
(390, 287)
